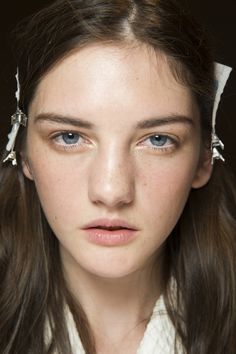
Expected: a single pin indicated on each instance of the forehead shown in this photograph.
(107, 78)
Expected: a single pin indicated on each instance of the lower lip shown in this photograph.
(110, 238)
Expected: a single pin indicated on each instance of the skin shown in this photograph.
(114, 171)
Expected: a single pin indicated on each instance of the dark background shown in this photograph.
(219, 17)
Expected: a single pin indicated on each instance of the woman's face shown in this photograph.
(114, 148)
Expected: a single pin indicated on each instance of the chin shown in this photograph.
(103, 268)
(112, 273)
(107, 263)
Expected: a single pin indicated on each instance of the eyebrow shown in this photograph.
(58, 118)
(143, 124)
(170, 119)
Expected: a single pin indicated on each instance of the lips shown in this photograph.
(110, 224)
(107, 232)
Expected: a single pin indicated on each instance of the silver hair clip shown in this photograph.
(222, 73)
(17, 119)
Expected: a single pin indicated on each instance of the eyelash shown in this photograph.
(59, 136)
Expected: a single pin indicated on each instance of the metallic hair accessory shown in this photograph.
(222, 73)
(17, 119)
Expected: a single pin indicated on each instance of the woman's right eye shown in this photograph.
(69, 139)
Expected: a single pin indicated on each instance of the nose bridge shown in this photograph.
(111, 179)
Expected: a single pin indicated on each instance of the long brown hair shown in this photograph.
(200, 252)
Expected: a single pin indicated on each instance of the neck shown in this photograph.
(118, 304)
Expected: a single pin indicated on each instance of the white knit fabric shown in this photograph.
(159, 336)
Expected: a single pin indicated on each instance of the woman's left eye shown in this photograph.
(159, 141)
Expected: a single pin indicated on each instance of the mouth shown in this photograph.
(110, 228)
(106, 232)
(110, 224)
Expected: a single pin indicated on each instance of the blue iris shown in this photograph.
(70, 138)
(158, 140)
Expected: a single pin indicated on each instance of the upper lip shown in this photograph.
(110, 224)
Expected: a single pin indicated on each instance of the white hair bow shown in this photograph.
(222, 73)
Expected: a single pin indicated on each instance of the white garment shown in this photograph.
(159, 336)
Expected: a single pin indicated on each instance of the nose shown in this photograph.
(111, 180)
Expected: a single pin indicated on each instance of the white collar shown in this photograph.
(159, 336)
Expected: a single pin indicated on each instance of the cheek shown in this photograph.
(165, 189)
(60, 188)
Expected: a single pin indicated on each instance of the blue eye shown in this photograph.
(71, 141)
(70, 138)
(159, 140)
